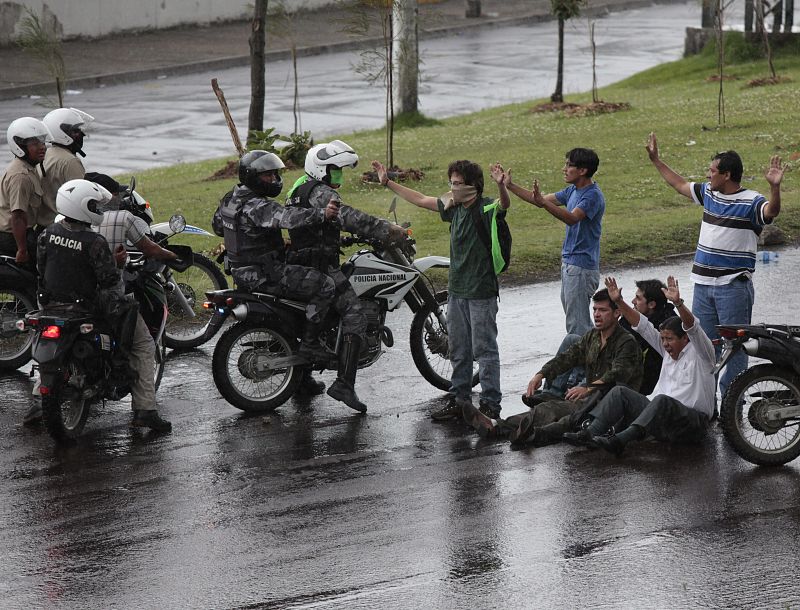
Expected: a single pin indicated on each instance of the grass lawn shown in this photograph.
(645, 219)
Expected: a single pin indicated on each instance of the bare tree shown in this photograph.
(595, 97)
(563, 10)
(762, 10)
(377, 64)
(406, 50)
(720, 8)
(45, 46)
(258, 44)
(280, 23)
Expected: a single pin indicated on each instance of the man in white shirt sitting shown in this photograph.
(683, 399)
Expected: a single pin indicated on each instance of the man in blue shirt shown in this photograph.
(580, 206)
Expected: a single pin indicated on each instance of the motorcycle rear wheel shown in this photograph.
(750, 396)
(186, 332)
(15, 346)
(430, 348)
(236, 365)
(64, 419)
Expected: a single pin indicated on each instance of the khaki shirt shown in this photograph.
(60, 166)
(20, 189)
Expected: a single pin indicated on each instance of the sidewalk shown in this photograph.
(148, 55)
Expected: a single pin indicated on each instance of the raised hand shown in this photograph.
(497, 173)
(652, 147)
(378, 168)
(672, 292)
(538, 198)
(774, 173)
(614, 291)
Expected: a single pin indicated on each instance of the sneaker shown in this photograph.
(478, 420)
(34, 414)
(451, 410)
(150, 419)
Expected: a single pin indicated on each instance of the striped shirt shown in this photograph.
(728, 235)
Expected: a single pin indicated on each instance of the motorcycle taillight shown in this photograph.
(52, 332)
(731, 333)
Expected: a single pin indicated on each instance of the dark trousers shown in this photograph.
(550, 419)
(664, 418)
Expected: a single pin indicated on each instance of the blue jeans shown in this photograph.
(472, 334)
(728, 304)
(572, 377)
(577, 287)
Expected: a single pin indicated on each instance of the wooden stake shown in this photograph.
(234, 134)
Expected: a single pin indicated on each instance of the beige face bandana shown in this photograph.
(460, 194)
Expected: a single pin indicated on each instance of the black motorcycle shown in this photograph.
(73, 349)
(17, 298)
(760, 412)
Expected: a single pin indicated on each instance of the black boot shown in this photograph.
(309, 386)
(343, 389)
(310, 347)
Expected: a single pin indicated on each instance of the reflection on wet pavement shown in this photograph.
(314, 506)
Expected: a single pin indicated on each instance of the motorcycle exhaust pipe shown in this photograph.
(240, 312)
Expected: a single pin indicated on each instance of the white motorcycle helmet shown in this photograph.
(83, 201)
(23, 129)
(62, 121)
(331, 155)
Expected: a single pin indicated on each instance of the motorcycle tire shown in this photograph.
(15, 346)
(751, 394)
(430, 348)
(236, 358)
(183, 332)
(64, 419)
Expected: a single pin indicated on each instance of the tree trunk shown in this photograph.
(707, 19)
(472, 9)
(749, 10)
(777, 16)
(258, 43)
(557, 94)
(406, 50)
(789, 22)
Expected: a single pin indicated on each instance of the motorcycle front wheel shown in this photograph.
(15, 346)
(182, 330)
(430, 347)
(159, 359)
(745, 415)
(242, 367)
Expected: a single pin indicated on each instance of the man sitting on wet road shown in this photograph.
(684, 395)
(610, 355)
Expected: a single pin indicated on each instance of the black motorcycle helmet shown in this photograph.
(256, 162)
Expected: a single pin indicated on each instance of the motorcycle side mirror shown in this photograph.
(393, 208)
(133, 183)
(177, 223)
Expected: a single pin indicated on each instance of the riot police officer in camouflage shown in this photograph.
(318, 246)
(250, 222)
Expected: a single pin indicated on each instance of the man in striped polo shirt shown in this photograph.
(725, 259)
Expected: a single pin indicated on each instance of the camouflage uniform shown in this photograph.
(261, 266)
(619, 361)
(324, 255)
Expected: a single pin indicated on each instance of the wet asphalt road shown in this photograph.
(315, 506)
(171, 120)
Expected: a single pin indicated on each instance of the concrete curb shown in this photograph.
(238, 61)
